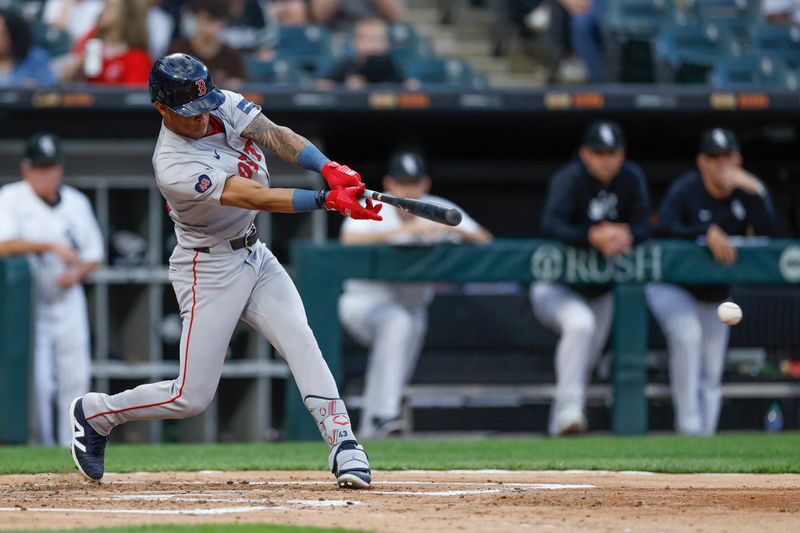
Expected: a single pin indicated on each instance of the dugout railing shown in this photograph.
(320, 270)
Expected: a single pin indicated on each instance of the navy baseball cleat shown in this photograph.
(88, 446)
(351, 466)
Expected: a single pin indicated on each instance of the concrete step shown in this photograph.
(423, 15)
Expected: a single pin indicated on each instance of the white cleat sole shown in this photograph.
(351, 481)
(72, 424)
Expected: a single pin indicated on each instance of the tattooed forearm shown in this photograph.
(280, 140)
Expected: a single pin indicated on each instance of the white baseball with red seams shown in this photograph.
(216, 289)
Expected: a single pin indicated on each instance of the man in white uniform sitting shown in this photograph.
(391, 318)
(54, 223)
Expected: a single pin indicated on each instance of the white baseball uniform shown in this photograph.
(61, 368)
(390, 318)
(216, 286)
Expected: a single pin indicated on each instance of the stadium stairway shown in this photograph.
(468, 37)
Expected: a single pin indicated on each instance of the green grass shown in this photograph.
(209, 528)
(741, 452)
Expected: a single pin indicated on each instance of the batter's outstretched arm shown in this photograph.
(241, 192)
(280, 140)
(248, 194)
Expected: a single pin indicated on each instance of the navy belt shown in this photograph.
(245, 241)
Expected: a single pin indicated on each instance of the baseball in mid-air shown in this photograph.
(730, 313)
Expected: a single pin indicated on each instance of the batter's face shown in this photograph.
(407, 189)
(193, 127)
(603, 165)
(44, 180)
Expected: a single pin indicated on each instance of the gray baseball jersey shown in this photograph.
(191, 174)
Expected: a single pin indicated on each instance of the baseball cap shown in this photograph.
(718, 141)
(407, 166)
(604, 135)
(43, 149)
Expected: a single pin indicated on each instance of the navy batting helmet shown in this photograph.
(183, 84)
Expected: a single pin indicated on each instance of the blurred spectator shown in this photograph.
(251, 28)
(371, 62)
(714, 202)
(205, 24)
(21, 64)
(597, 201)
(290, 12)
(391, 318)
(342, 14)
(77, 17)
(115, 51)
(781, 11)
(160, 26)
(586, 18)
(174, 8)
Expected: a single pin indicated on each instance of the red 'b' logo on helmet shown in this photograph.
(201, 87)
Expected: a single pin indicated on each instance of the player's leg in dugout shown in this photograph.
(676, 312)
(44, 383)
(72, 357)
(714, 348)
(583, 328)
(212, 289)
(275, 310)
(394, 335)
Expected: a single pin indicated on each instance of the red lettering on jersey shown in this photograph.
(252, 149)
(244, 171)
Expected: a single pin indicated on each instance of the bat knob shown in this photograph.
(453, 217)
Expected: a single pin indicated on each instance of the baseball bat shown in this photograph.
(430, 210)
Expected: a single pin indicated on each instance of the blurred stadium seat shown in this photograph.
(738, 16)
(306, 45)
(753, 72)
(779, 42)
(407, 43)
(685, 53)
(54, 41)
(440, 71)
(629, 26)
(276, 72)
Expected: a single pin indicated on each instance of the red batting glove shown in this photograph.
(340, 176)
(345, 201)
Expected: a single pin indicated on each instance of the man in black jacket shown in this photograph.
(717, 200)
(598, 201)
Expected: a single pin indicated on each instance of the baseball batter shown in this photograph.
(55, 224)
(214, 177)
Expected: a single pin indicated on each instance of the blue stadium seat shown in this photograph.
(778, 41)
(407, 43)
(638, 18)
(449, 72)
(685, 53)
(54, 41)
(738, 16)
(753, 72)
(307, 45)
(276, 72)
(629, 26)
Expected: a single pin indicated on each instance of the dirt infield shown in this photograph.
(412, 501)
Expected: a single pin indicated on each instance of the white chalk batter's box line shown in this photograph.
(213, 496)
(530, 486)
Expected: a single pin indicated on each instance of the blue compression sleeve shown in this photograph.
(310, 158)
(304, 200)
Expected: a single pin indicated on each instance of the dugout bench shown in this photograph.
(320, 269)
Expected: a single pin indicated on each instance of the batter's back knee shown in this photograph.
(192, 403)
